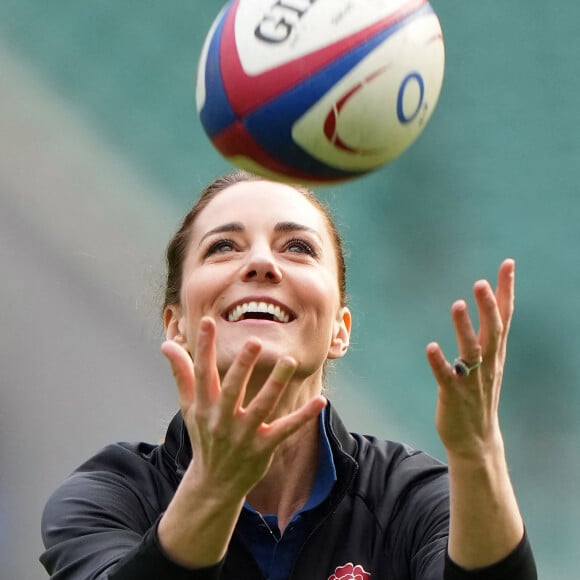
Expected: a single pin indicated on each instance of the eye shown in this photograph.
(220, 247)
(298, 246)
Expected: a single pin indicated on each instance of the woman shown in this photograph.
(277, 487)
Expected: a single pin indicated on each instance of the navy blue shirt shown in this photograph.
(276, 553)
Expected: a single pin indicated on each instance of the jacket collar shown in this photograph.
(177, 445)
(344, 450)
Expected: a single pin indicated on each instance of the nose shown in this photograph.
(261, 266)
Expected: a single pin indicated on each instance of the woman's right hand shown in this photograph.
(233, 445)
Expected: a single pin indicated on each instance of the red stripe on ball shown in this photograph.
(246, 93)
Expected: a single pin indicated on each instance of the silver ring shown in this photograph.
(462, 368)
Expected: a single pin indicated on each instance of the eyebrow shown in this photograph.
(280, 227)
(229, 227)
(294, 227)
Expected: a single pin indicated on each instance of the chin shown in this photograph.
(269, 355)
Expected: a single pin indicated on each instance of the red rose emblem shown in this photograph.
(350, 572)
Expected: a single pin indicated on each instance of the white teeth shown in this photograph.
(261, 307)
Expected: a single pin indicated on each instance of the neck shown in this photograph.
(286, 487)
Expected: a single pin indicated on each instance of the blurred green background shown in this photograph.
(101, 152)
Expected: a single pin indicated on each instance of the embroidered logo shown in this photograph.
(350, 572)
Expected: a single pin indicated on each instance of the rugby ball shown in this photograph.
(319, 91)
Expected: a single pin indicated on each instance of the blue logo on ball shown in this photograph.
(411, 77)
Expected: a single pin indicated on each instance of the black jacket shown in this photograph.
(387, 513)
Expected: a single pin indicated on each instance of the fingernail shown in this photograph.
(205, 324)
(284, 369)
(253, 346)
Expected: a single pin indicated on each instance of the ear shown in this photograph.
(341, 334)
(173, 324)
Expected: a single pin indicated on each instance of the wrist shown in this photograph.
(485, 523)
(478, 451)
(485, 466)
(215, 492)
(198, 524)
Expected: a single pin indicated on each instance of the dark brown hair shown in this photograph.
(178, 246)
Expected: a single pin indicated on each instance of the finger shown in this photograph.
(266, 400)
(468, 345)
(204, 364)
(236, 379)
(182, 368)
(441, 369)
(505, 292)
(490, 322)
(280, 429)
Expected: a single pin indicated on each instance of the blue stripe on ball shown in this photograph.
(216, 113)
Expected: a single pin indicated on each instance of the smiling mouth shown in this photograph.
(259, 311)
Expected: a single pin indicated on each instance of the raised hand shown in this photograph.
(467, 406)
(485, 522)
(233, 445)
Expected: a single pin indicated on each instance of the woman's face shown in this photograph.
(261, 263)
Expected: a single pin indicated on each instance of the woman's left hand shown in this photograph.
(467, 406)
